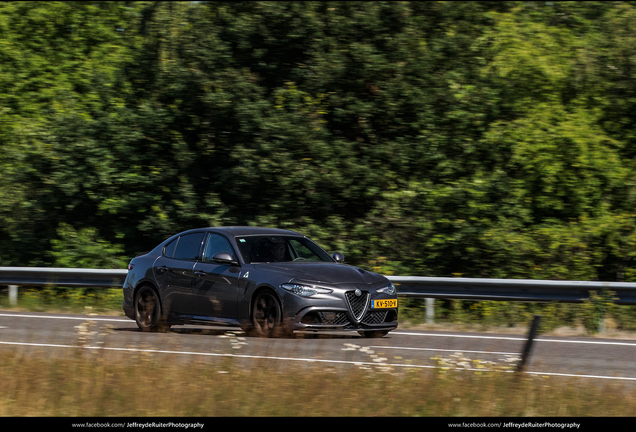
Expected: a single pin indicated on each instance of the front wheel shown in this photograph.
(267, 316)
(148, 314)
(373, 334)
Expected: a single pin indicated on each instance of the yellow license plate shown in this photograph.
(383, 304)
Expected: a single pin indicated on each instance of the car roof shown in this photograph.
(247, 230)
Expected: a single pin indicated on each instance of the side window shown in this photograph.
(170, 247)
(189, 246)
(303, 251)
(217, 243)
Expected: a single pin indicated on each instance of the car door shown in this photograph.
(174, 271)
(216, 285)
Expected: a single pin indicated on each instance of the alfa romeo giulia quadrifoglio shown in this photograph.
(270, 282)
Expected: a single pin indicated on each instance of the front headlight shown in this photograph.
(390, 290)
(305, 290)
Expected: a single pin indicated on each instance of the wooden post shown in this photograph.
(528, 348)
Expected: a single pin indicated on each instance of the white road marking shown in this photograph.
(439, 349)
(66, 317)
(467, 336)
(460, 336)
(310, 360)
(306, 360)
(517, 338)
(581, 376)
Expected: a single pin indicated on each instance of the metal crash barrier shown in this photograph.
(525, 290)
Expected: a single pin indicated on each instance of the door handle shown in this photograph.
(200, 273)
(162, 268)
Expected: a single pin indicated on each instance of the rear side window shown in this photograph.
(169, 249)
(187, 247)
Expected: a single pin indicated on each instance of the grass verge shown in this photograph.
(64, 299)
(92, 385)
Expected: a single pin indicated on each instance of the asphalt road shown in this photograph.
(53, 334)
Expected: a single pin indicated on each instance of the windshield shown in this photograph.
(256, 249)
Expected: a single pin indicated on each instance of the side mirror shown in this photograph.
(224, 258)
(338, 257)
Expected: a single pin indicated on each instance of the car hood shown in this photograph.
(325, 273)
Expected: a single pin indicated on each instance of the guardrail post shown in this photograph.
(528, 348)
(602, 324)
(430, 310)
(13, 295)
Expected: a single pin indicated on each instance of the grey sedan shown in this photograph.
(270, 282)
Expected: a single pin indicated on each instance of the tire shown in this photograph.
(267, 316)
(373, 334)
(148, 313)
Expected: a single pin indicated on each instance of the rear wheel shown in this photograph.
(148, 314)
(267, 316)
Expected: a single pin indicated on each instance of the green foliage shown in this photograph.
(483, 139)
(598, 313)
(596, 308)
(70, 300)
(85, 249)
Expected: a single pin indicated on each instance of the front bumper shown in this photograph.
(323, 317)
(349, 309)
(317, 318)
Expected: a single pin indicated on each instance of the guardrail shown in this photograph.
(429, 288)
(527, 290)
(72, 277)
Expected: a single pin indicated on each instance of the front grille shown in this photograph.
(333, 318)
(374, 317)
(357, 305)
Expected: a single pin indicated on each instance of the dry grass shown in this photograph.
(93, 385)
